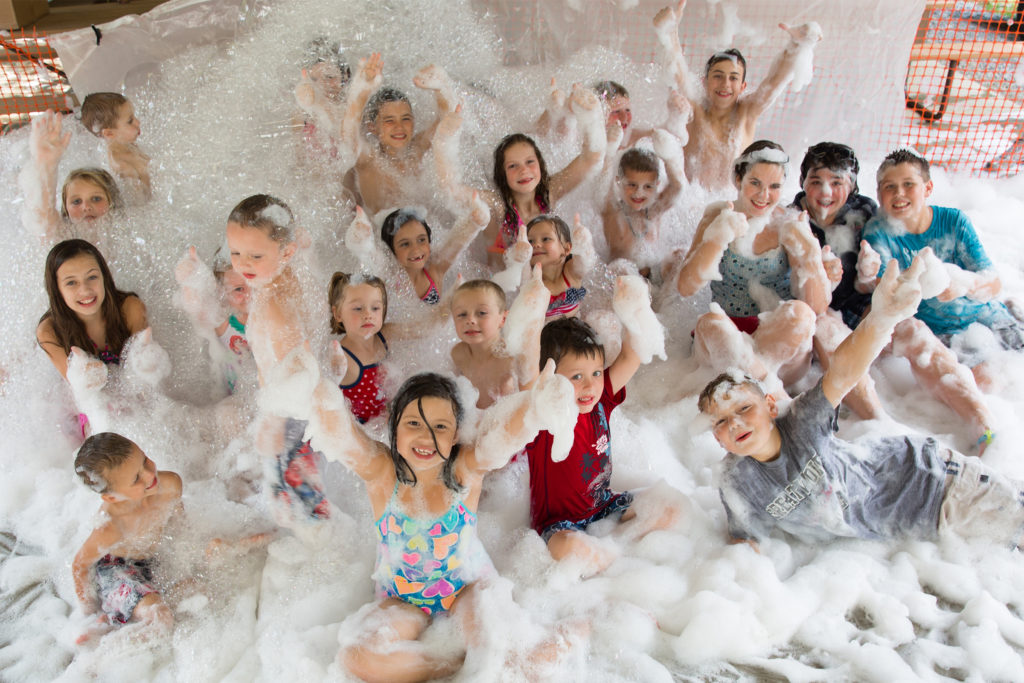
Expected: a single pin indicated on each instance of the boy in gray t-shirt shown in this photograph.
(793, 473)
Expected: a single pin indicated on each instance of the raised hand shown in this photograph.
(450, 123)
(305, 91)
(804, 34)
(85, 373)
(727, 226)
(798, 240)
(338, 362)
(481, 213)
(145, 359)
(898, 294)
(431, 77)
(833, 266)
(368, 75)
(556, 99)
(583, 100)
(669, 17)
(553, 404)
(632, 303)
(868, 263)
(47, 140)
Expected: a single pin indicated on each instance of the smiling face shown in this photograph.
(826, 191)
(85, 201)
(478, 315)
(743, 422)
(522, 170)
(903, 195)
(620, 111)
(548, 249)
(361, 310)
(80, 282)
(255, 255)
(412, 245)
(127, 129)
(639, 188)
(394, 125)
(724, 83)
(426, 443)
(587, 376)
(134, 479)
(760, 189)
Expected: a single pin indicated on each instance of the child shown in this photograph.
(110, 116)
(568, 495)
(407, 235)
(321, 93)
(87, 313)
(791, 472)
(262, 241)
(633, 209)
(424, 489)
(482, 356)
(87, 195)
(524, 188)
(381, 169)
(563, 271)
(359, 307)
(112, 571)
(722, 123)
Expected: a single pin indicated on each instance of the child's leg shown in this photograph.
(154, 611)
(658, 507)
(578, 545)
(937, 370)
(719, 345)
(862, 399)
(783, 339)
(390, 652)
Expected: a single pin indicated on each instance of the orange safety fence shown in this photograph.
(31, 78)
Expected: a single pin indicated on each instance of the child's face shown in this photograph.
(522, 170)
(742, 422)
(548, 249)
(133, 479)
(724, 83)
(361, 310)
(413, 437)
(86, 201)
(126, 130)
(760, 190)
(478, 316)
(826, 191)
(587, 376)
(80, 283)
(255, 255)
(639, 188)
(620, 111)
(394, 125)
(328, 78)
(903, 193)
(236, 291)
(412, 245)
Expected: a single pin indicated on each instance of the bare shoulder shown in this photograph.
(170, 483)
(460, 356)
(103, 537)
(134, 312)
(45, 332)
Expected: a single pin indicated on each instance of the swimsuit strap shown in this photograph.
(565, 279)
(380, 335)
(235, 324)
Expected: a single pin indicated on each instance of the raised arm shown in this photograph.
(719, 226)
(669, 149)
(666, 27)
(197, 293)
(364, 83)
(361, 240)
(38, 179)
(589, 118)
(583, 254)
(514, 420)
(523, 326)
(802, 40)
(461, 236)
(517, 260)
(895, 299)
(435, 78)
(808, 279)
(554, 113)
(643, 337)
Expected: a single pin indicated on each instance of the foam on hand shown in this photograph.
(145, 360)
(935, 279)
(197, 293)
(288, 385)
(803, 64)
(362, 242)
(526, 313)
(632, 303)
(554, 407)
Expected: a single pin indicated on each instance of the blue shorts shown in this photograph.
(619, 503)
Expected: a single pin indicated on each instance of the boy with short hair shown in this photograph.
(723, 124)
(634, 207)
(567, 496)
(112, 572)
(111, 116)
(791, 472)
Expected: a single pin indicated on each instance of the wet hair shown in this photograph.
(323, 49)
(568, 335)
(484, 286)
(99, 111)
(760, 152)
(730, 55)
(67, 326)
(266, 213)
(832, 156)
(723, 384)
(501, 180)
(561, 227)
(413, 390)
(638, 160)
(384, 95)
(397, 219)
(904, 156)
(336, 292)
(98, 455)
(607, 90)
(96, 176)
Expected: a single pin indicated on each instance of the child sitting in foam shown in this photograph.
(111, 116)
(790, 472)
(724, 123)
(498, 348)
(565, 258)
(393, 157)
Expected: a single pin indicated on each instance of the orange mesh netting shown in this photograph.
(31, 79)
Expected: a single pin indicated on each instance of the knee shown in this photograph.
(798, 315)
(913, 340)
(359, 661)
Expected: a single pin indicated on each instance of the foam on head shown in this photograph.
(266, 213)
(731, 55)
(397, 219)
(100, 454)
(833, 156)
(719, 389)
(100, 110)
(760, 152)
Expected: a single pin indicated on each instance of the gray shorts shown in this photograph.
(981, 503)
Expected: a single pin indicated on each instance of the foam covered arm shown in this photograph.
(666, 28)
(364, 83)
(590, 120)
(796, 57)
(719, 226)
(809, 280)
(197, 292)
(361, 240)
(38, 179)
(632, 303)
(869, 262)
(333, 431)
(670, 149)
(461, 235)
(523, 326)
(584, 256)
(517, 260)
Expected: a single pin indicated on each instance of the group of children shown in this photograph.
(834, 278)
